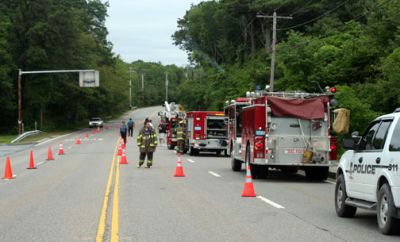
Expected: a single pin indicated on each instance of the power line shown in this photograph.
(363, 14)
(301, 8)
(314, 19)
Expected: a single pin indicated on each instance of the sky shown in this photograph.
(142, 29)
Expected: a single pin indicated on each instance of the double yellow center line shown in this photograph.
(115, 210)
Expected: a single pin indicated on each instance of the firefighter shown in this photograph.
(147, 143)
(180, 137)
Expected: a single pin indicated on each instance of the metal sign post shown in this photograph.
(87, 78)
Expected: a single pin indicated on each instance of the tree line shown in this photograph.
(68, 35)
(353, 45)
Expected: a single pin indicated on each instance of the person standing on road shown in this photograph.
(180, 137)
(162, 131)
(147, 143)
(131, 125)
(122, 130)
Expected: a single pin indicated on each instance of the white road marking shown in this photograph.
(40, 163)
(214, 174)
(191, 161)
(270, 202)
(47, 141)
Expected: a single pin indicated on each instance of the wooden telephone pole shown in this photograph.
(274, 20)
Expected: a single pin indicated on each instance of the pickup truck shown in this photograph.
(368, 175)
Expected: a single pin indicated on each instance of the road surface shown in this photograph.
(86, 195)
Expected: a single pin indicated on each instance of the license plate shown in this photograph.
(294, 151)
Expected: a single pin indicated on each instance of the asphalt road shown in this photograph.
(86, 194)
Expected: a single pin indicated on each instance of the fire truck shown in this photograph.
(206, 131)
(286, 131)
(233, 110)
(171, 116)
(171, 132)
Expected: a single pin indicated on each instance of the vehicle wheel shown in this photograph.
(386, 211)
(218, 152)
(317, 173)
(192, 151)
(342, 210)
(170, 147)
(236, 164)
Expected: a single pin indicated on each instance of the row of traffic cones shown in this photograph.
(8, 170)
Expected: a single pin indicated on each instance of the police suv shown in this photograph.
(368, 175)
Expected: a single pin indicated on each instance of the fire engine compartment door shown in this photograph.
(291, 137)
(216, 127)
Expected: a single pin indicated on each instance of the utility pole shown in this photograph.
(130, 87)
(166, 86)
(274, 20)
(143, 88)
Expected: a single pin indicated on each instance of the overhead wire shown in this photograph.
(314, 19)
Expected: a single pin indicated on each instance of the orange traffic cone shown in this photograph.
(179, 168)
(123, 160)
(31, 161)
(119, 150)
(98, 129)
(248, 185)
(86, 135)
(8, 171)
(92, 132)
(50, 154)
(61, 150)
(78, 141)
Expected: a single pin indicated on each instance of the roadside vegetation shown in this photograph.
(353, 45)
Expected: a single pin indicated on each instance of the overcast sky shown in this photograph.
(142, 29)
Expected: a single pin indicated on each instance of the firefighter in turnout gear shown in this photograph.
(180, 137)
(147, 143)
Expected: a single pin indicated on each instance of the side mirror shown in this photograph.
(355, 134)
(348, 144)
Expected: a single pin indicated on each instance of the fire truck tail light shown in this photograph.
(259, 146)
(259, 143)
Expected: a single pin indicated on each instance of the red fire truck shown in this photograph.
(233, 111)
(286, 131)
(206, 131)
(171, 133)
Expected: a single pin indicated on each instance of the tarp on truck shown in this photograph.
(312, 108)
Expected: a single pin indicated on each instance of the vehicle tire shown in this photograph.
(170, 147)
(342, 210)
(386, 210)
(236, 164)
(218, 152)
(317, 173)
(192, 151)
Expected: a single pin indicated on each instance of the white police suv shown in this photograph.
(368, 175)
